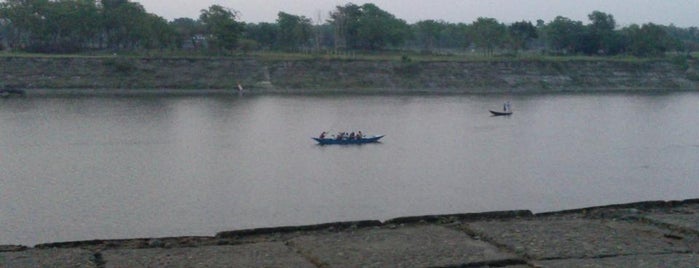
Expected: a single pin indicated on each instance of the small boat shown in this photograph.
(6, 93)
(362, 140)
(496, 113)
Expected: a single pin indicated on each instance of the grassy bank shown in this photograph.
(346, 72)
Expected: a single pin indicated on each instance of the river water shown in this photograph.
(81, 168)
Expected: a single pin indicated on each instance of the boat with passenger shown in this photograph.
(506, 110)
(496, 113)
(346, 138)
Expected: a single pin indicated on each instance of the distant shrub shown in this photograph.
(680, 61)
(120, 65)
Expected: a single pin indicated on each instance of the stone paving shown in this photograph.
(248, 255)
(420, 246)
(578, 238)
(648, 234)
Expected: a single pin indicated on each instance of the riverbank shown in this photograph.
(645, 234)
(117, 74)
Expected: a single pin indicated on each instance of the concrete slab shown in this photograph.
(686, 217)
(554, 238)
(639, 261)
(420, 246)
(48, 258)
(247, 255)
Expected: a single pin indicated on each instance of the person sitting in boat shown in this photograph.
(359, 135)
(322, 135)
(351, 136)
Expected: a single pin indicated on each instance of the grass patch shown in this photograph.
(391, 56)
(121, 65)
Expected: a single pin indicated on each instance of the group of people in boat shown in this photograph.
(343, 135)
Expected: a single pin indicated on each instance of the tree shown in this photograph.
(366, 27)
(684, 39)
(456, 36)
(24, 20)
(520, 33)
(647, 40)
(565, 35)
(428, 32)
(158, 34)
(122, 23)
(325, 35)
(264, 34)
(378, 28)
(345, 20)
(88, 21)
(187, 31)
(50, 26)
(66, 26)
(293, 31)
(222, 27)
(487, 33)
(601, 34)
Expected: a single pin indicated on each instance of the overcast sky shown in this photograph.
(683, 13)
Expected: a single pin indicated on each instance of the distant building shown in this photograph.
(197, 41)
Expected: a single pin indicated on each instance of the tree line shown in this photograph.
(74, 26)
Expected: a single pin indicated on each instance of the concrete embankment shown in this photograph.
(114, 74)
(646, 234)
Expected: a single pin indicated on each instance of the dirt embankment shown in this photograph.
(322, 75)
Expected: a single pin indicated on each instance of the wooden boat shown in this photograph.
(6, 93)
(496, 113)
(365, 139)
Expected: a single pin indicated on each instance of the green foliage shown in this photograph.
(428, 33)
(407, 68)
(123, 26)
(186, 31)
(367, 27)
(120, 65)
(601, 22)
(564, 34)
(224, 31)
(680, 61)
(488, 33)
(520, 33)
(70, 26)
(649, 40)
(345, 22)
(247, 45)
(378, 28)
(293, 31)
(601, 35)
(265, 34)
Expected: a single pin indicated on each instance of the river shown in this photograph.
(82, 168)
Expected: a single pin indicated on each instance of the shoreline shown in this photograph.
(284, 232)
(33, 92)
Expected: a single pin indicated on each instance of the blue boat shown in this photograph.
(362, 140)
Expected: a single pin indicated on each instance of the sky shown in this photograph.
(682, 13)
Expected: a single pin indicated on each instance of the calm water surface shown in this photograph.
(124, 167)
